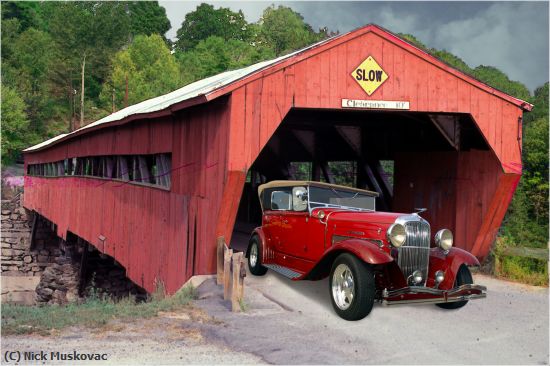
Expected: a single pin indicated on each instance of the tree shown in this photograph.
(86, 34)
(206, 21)
(16, 134)
(540, 102)
(497, 79)
(26, 12)
(146, 67)
(285, 30)
(148, 17)
(215, 55)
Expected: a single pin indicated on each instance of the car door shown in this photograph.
(280, 204)
(295, 232)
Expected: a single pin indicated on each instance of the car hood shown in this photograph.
(363, 217)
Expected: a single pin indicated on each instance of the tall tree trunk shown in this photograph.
(126, 94)
(82, 92)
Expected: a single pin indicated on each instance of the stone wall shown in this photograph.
(17, 257)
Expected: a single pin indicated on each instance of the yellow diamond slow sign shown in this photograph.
(369, 75)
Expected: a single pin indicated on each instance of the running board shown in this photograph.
(288, 273)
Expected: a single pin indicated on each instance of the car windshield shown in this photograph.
(339, 198)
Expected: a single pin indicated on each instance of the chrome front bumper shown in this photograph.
(425, 295)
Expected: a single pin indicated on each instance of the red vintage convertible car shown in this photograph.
(311, 230)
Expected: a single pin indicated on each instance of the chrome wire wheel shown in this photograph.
(253, 255)
(343, 286)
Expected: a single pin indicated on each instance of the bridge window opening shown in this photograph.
(300, 170)
(388, 169)
(151, 169)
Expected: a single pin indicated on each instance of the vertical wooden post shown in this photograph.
(236, 291)
(228, 253)
(220, 256)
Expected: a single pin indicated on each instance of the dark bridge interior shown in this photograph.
(363, 149)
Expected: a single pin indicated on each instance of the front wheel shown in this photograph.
(255, 258)
(463, 277)
(352, 287)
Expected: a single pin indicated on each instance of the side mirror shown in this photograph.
(299, 198)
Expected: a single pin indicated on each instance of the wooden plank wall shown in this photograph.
(466, 192)
(154, 233)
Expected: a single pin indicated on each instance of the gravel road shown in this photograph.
(293, 323)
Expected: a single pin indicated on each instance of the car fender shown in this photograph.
(449, 262)
(364, 249)
(260, 234)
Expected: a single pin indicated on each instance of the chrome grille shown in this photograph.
(415, 253)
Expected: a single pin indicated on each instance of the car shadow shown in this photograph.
(317, 291)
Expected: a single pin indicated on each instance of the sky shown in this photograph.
(512, 36)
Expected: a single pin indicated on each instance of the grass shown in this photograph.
(526, 270)
(94, 312)
(243, 305)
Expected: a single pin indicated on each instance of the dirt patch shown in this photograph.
(172, 337)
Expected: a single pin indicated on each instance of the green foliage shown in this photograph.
(452, 60)
(412, 39)
(499, 80)
(285, 30)
(16, 134)
(206, 22)
(95, 312)
(526, 222)
(26, 12)
(540, 102)
(148, 17)
(148, 67)
(215, 55)
(527, 270)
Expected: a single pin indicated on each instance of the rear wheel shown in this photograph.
(255, 257)
(351, 287)
(463, 277)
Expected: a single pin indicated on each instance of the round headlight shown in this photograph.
(444, 239)
(439, 277)
(417, 277)
(397, 235)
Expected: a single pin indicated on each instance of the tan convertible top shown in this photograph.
(291, 183)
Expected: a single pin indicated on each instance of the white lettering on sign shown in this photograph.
(375, 104)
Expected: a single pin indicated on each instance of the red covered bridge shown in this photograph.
(154, 184)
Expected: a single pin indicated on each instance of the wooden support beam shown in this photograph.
(381, 174)
(352, 136)
(33, 229)
(237, 289)
(307, 139)
(535, 253)
(83, 267)
(228, 253)
(315, 171)
(326, 172)
(376, 185)
(449, 127)
(220, 260)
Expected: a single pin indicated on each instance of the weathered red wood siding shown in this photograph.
(322, 80)
(154, 233)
